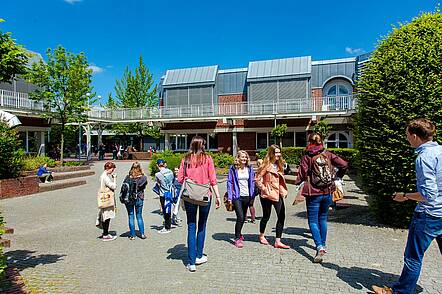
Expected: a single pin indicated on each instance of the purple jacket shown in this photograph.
(233, 185)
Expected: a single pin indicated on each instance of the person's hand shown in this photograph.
(217, 202)
(399, 197)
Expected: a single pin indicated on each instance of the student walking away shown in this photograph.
(44, 174)
(197, 167)
(270, 181)
(176, 220)
(426, 224)
(132, 196)
(317, 171)
(107, 180)
(164, 179)
(240, 191)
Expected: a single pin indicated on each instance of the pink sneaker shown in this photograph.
(241, 238)
(239, 244)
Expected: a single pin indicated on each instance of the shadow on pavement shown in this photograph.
(178, 252)
(349, 214)
(23, 259)
(298, 231)
(358, 277)
(229, 237)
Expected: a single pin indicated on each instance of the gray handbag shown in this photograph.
(199, 194)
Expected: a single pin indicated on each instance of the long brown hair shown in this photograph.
(197, 153)
(270, 158)
(135, 170)
(315, 139)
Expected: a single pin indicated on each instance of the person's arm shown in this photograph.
(340, 163)
(230, 184)
(403, 196)
(111, 184)
(252, 185)
(180, 177)
(142, 183)
(213, 182)
(302, 170)
(259, 180)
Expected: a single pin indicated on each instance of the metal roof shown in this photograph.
(331, 61)
(194, 75)
(225, 71)
(296, 66)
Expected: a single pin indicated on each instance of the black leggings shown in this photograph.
(267, 209)
(241, 204)
(106, 224)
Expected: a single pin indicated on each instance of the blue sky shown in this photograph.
(178, 34)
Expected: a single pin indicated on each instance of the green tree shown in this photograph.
(322, 127)
(11, 154)
(278, 132)
(63, 85)
(402, 81)
(135, 90)
(13, 57)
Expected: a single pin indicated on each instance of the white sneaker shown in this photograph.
(191, 268)
(201, 260)
(164, 231)
(109, 238)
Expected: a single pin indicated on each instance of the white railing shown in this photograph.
(18, 100)
(236, 109)
(247, 109)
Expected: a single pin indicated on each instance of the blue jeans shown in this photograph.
(195, 241)
(136, 207)
(317, 213)
(423, 230)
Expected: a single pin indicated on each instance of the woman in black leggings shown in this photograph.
(240, 191)
(270, 180)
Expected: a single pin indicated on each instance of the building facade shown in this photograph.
(294, 91)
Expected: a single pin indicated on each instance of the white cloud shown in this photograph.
(356, 51)
(95, 69)
(72, 2)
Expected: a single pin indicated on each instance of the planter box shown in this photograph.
(139, 155)
(18, 187)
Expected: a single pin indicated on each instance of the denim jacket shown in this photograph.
(429, 178)
(233, 185)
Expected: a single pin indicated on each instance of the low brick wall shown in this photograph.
(139, 155)
(18, 187)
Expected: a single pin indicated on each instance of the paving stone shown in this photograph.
(56, 248)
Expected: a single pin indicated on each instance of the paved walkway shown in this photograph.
(57, 250)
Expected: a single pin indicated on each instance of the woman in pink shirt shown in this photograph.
(199, 168)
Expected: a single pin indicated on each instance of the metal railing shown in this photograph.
(246, 109)
(18, 100)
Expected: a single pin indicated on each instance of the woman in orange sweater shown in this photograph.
(270, 180)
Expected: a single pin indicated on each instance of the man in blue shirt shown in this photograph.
(426, 224)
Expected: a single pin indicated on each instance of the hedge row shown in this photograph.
(220, 160)
(292, 155)
(2, 258)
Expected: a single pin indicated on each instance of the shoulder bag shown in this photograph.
(105, 197)
(199, 194)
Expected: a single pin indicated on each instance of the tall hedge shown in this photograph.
(11, 156)
(402, 81)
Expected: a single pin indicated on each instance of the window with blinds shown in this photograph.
(263, 92)
(176, 97)
(277, 90)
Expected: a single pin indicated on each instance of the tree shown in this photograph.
(402, 81)
(13, 57)
(279, 132)
(322, 128)
(63, 85)
(136, 90)
(11, 154)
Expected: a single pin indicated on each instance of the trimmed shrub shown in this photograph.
(221, 160)
(34, 162)
(348, 154)
(173, 160)
(11, 156)
(75, 163)
(401, 82)
(2, 258)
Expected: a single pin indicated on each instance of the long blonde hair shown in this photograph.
(237, 162)
(270, 158)
(135, 170)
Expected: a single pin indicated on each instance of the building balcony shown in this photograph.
(19, 102)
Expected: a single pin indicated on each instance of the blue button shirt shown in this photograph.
(429, 178)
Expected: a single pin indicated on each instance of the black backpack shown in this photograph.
(128, 191)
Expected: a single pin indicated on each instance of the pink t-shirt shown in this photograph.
(202, 174)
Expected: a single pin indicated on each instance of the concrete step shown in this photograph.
(74, 174)
(61, 184)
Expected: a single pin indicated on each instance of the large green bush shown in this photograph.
(11, 156)
(34, 162)
(2, 258)
(221, 160)
(402, 81)
(173, 160)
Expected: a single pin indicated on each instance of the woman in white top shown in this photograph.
(240, 191)
(108, 179)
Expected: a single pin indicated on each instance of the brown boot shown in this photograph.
(380, 290)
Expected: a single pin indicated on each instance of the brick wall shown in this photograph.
(246, 141)
(225, 142)
(226, 99)
(317, 98)
(18, 187)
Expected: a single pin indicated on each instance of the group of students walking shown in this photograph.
(317, 172)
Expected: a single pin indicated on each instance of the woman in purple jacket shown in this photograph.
(240, 191)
